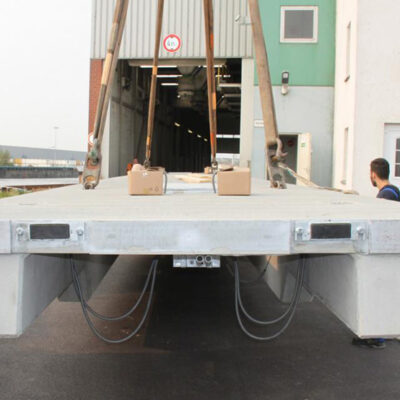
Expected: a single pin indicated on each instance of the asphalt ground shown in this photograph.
(192, 348)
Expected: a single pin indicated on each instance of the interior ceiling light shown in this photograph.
(177, 124)
(160, 66)
(190, 131)
(199, 136)
(228, 136)
(169, 76)
(215, 66)
(206, 140)
(230, 85)
(169, 84)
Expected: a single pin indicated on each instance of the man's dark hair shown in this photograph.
(381, 167)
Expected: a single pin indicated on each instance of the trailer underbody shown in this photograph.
(352, 243)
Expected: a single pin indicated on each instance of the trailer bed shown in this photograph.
(191, 219)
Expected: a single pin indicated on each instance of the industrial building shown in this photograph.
(305, 110)
(330, 50)
(35, 156)
(195, 259)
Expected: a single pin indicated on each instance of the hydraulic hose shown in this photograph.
(86, 309)
(289, 313)
(250, 282)
(130, 311)
(283, 316)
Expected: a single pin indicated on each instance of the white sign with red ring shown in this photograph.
(172, 43)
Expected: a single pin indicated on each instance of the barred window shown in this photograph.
(397, 159)
(299, 24)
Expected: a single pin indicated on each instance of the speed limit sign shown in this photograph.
(172, 43)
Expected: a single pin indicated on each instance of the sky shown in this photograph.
(44, 73)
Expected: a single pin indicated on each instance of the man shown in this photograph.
(379, 173)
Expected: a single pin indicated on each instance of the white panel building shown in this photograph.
(367, 105)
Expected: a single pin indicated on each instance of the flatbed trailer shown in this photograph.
(191, 219)
(352, 243)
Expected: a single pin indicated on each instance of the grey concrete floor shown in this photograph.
(192, 348)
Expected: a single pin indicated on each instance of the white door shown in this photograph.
(304, 153)
(392, 151)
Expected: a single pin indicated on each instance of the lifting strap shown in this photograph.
(211, 85)
(91, 173)
(273, 144)
(153, 88)
(311, 184)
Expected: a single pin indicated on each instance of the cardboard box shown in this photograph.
(236, 182)
(148, 182)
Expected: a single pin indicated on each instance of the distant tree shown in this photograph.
(5, 158)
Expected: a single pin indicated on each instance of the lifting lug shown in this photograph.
(92, 170)
(274, 157)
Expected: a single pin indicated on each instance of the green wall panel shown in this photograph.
(309, 64)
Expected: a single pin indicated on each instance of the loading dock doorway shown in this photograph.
(181, 141)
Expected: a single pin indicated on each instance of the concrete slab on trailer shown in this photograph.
(191, 219)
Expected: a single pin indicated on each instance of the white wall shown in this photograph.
(372, 97)
(303, 109)
(345, 92)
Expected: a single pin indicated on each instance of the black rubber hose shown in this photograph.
(78, 290)
(284, 315)
(290, 315)
(130, 311)
(246, 282)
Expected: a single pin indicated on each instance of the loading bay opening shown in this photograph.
(181, 140)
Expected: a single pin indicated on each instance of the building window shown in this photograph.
(348, 52)
(345, 156)
(299, 24)
(397, 160)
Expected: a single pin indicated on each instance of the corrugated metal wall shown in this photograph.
(181, 17)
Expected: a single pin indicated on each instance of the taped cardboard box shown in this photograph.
(146, 182)
(235, 182)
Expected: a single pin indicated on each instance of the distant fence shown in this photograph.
(37, 172)
(33, 162)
